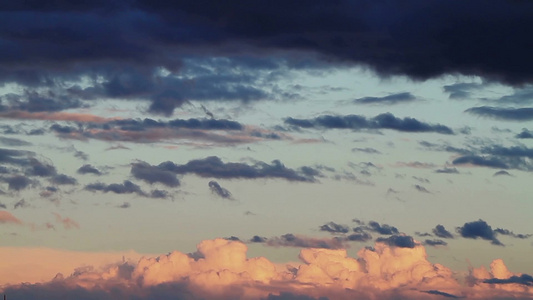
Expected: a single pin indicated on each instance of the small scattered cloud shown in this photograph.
(441, 232)
(421, 189)
(219, 190)
(504, 114)
(391, 99)
(401, 241)
(291, 240)
(525, 134)
(357, 122)
(333, 227)
(7, 218)
(479, 229)
(213, 166)
(502, 173)
(88, 169)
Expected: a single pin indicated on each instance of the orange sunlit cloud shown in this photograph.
(7, 218)
(221, 270)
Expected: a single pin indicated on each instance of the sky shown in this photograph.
(307, 150)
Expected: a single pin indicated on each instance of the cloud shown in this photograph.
(479, 229)
(421, 189)
(523, 279)
(435, 242)
(333, 227)
(402, 241)
(359, 236)
(352, 36)
(213, 166)
(67, 223)
(366, 150)
(525, 134)
(491, 162)
(218, 190)
(152, 174)
(220, 269)
(387, 100)
(374, 226)
(258, 239)
(63, 179)
(357, 122)
(15, 157)
(497, 156)
(436, 292)
(291, 240)
(502, 173)
(7, 218)
(512, 234)
(506, 114)
(13, 142)
(447, 171)
(462, 90)
(441, 232)
(18, 182)
(88, 169)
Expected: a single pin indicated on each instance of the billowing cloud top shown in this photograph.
(220, 269)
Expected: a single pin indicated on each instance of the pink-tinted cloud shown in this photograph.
(55, 116)
(67, 223)
(7, 218)
(220, 269)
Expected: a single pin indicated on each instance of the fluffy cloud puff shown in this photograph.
(220, 269)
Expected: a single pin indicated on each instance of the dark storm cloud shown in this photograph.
(219, 190)
(402, 241)
(357, 122)
(213, 166)
(479, 229)
(506, 114)
(333, 227)
(441, 232)
(153, 174)
(435, 242)
(525, 134)
(387, 100)
(88, 169)
(457, 37)
(291, 240)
